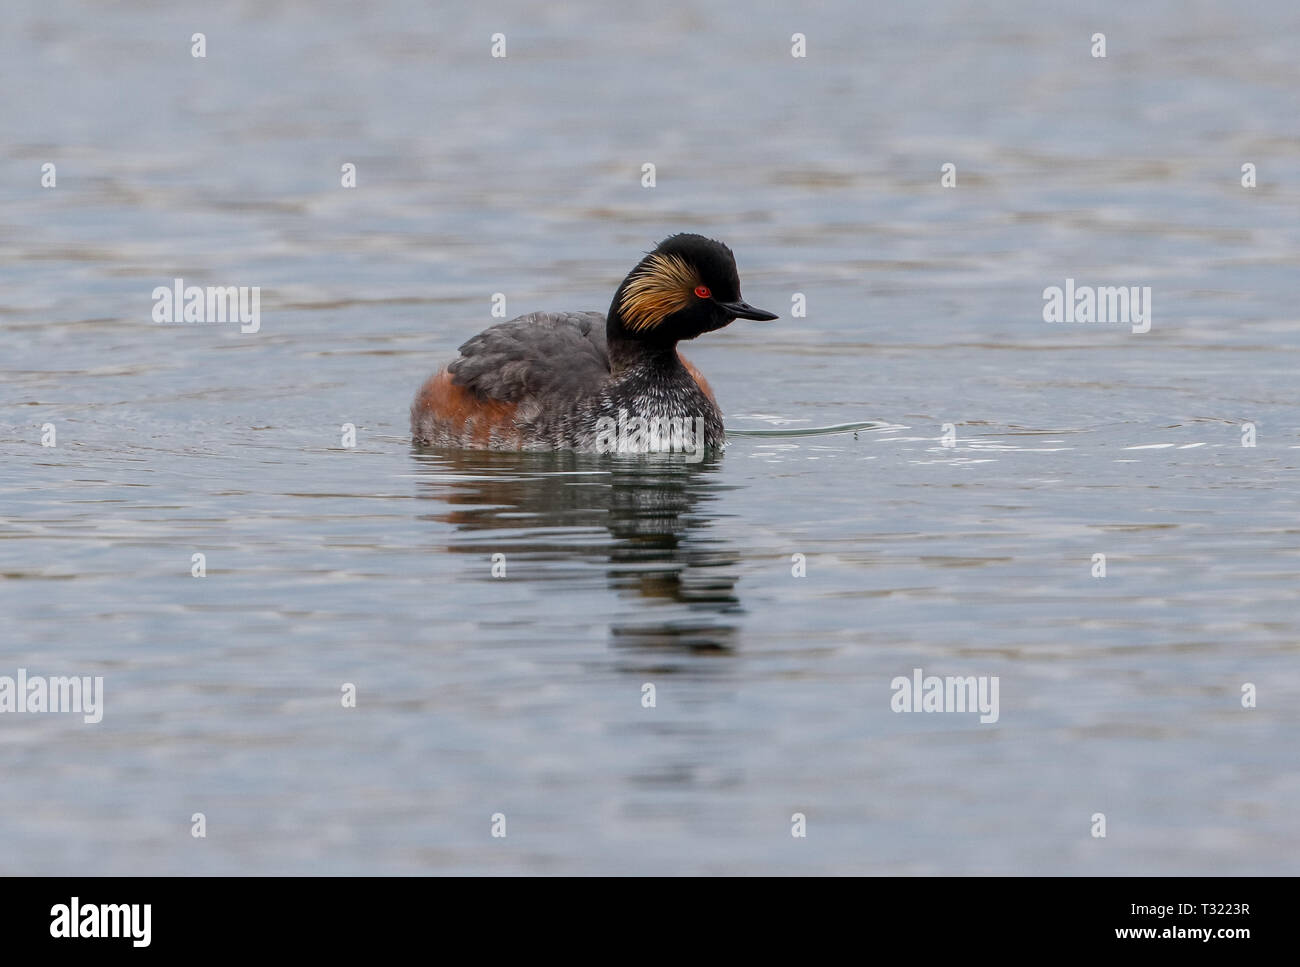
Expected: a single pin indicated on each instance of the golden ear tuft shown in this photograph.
(664, 285)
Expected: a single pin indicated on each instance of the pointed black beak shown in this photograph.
(743, 310)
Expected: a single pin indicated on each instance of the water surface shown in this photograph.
(522, 694)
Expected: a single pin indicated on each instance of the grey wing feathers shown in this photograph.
(536, 355)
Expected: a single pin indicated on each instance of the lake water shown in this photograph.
(965, 553)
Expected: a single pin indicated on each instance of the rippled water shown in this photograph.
(522, 694)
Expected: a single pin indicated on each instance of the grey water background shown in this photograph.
(522, 695)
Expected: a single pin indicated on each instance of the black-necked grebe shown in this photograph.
(563, 380)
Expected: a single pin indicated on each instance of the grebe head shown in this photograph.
(687, 286)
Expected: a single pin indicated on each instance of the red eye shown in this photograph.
(703, 291)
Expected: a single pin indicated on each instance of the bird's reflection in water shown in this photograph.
(644, 517)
